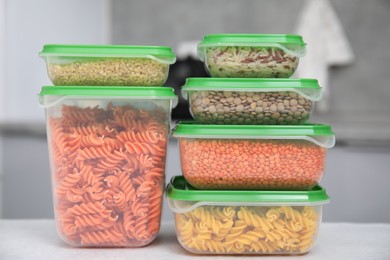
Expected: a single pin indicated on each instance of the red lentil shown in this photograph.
(251, 164)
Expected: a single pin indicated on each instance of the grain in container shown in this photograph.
(251, 55)
(253, 156)
(107, 65)
(107, 149)
(251, 101)
(245, 222)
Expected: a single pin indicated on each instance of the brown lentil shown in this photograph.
(289, 107)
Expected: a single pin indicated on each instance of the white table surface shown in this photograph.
(37, 239)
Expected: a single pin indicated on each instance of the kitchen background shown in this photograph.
(350, 41)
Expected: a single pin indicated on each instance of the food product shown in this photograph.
(107, 65)
(109, 174)
(108, 150)
(253, 164)
(240, 230)
(245, 157)
(232, 107)
(251, 101)
(250, 62)
(251, 55)
(110, 71)
(245, 222)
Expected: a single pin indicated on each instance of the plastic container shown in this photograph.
(245, 222)
(253, 157)
(107, 154)
(251, 55)
(251, 101)
(107, 65)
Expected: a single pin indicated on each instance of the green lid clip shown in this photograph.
(292, 44)
(321, 135)
(309, 88)
(60, 93)
(179, 190)
(162, 54)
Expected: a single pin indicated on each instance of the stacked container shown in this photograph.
(108, 122)
(251, 163)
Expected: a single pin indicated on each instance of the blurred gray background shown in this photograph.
(358, 168)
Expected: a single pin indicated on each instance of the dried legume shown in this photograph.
(250, 62)
(240, 107)
(251, 164)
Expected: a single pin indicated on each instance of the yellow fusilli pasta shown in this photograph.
(248, 230)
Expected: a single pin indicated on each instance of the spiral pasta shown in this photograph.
(108, 173)
(248, 230)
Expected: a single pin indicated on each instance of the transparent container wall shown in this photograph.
(106, 71)
(235, 229)
(251, 163)
(249, 62)
(108, 169)
(250, 108)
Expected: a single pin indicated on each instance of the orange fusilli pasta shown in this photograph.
(108, 173)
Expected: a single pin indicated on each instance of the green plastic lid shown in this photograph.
(66, 92)
(160, 53)
(179, 189)
(308, 88)
(213, 39)
(321, 135)
(290, 43)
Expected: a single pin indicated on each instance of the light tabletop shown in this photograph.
(37, 239)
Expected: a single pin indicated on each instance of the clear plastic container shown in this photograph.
(245, 222)
(107, 65)
(251, 55)
(253, 157)
(251, 101)
(107, 155)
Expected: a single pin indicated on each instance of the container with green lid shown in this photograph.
(251, 55)
(107, 148)
(245, 222)
(251, 101)
(266, 157)
(107, 65)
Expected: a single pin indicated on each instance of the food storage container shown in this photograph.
(245, 222)
(253, 156)
(107, 154)
(251, 55)
(251, 101)
(111, 65)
